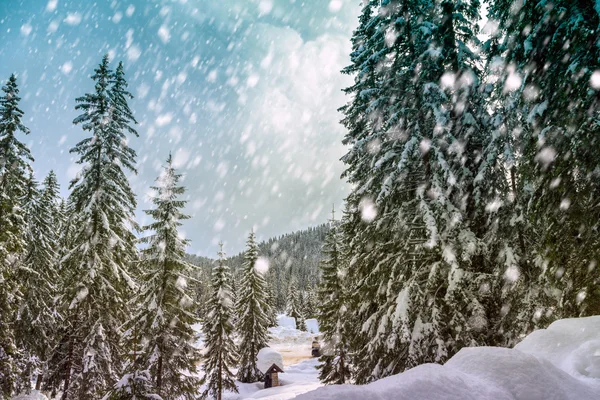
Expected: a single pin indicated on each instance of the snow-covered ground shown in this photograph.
(300, 374)
(558, 363)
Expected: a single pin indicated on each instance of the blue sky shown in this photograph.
(243, 93)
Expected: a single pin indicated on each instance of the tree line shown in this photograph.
(88, 310)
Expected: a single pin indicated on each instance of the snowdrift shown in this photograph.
(558, 363)
(267, 357)
(34, 395)
(312, 325)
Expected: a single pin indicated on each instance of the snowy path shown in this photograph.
(300, 374)
(297, 379)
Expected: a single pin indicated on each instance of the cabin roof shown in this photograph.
(273, 368)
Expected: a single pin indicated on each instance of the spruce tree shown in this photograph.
(165, 312)
(253, 315)
(415, 229)
(332, 309)
(14, 166)
(544, 65)
(293, 307)
(221, 353)
(103, 249)
(271, 299)
(38, 276)
(134, 386)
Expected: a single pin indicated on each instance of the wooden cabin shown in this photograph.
(272, 377)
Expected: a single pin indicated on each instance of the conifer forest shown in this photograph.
(311, 199)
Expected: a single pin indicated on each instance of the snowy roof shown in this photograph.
(266, 358)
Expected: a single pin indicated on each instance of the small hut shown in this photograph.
(270, 363)
(272, 377)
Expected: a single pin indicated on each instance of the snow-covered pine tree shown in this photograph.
(548, 64)
(134, 386)
(166, 311)
(462, 135)
(221, 353)
(38, 277)
(332, 311)
(253, 315)
(293, 307)
(136, 383)
(271, 299)
(62, 355)
(520, 295)
(103, 248)
(14, 165)
(414, 130)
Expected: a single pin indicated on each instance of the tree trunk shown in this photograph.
(159, 375)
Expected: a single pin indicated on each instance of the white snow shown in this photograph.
(595, 80)
(558, 363)
(73, 19)
(164, 34)
(368, 210)
(267, 357)
(312, 325)
(262, 265)
(283, 321)
(572, 345)
(51, 6)
(34, 395)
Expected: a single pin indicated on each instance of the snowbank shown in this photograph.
(572, 345)
(558, 363)
(312, 325)
(34, 395)
(286, 322)
(266, 357)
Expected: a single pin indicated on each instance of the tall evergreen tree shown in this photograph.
(293, 307)
(415, 229)
(14, 165)
(253, 314)
(38, 275)
(221, 353)
(332, 309)
(271, 299)
(103, 249)
(543, 65)
(165, 307)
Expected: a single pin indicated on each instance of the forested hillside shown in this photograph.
(293, 260)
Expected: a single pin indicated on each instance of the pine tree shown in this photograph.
(221, 353)
(100, 260)
(544, 65)
(136, 383)
(415, 229)
(253, 315)
(310, 303)
(134, 386)
(335, 366)
(165, 307)
(14, 165)
(38, 276)
(293, 307)
(271, 299)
